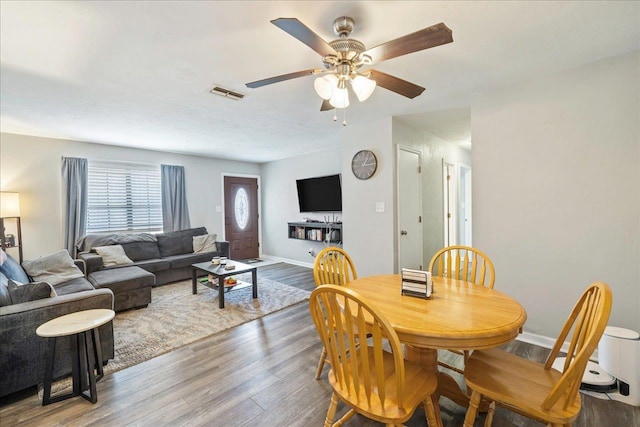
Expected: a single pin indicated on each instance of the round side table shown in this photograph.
(86, 357)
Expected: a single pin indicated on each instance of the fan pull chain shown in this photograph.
(335, 116)
(344, 120)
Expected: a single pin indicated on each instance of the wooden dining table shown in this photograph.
(459, 315)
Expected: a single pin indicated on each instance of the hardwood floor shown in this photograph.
(260, 373)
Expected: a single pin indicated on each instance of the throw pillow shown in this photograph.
(21, 292)
(113, 255)
(205, 243)
(12, 269)
(55, 268)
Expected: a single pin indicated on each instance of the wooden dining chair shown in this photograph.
(537, 390)
(333, 266)
(375, 383)
(462, 263)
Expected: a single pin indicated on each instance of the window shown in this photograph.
(124, 197)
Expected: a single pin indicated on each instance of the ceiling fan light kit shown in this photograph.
(344, 57)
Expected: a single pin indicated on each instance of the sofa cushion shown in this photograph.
(113, 255)
(185, 260)
(5, 298)
(86, 243)
(122, 279)
(55, 268)
(140, 251)
(72, 286)
(178, 242)
(153, 265)
(12, 270)
(25, 292)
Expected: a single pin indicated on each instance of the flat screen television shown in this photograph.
(320, 194)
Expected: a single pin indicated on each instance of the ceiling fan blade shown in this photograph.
(326, 106)
(426, 38)
(276, 79)
(301, 32)
(396, 84)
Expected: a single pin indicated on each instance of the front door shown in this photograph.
(241, 216)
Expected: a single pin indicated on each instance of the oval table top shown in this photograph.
(459, 315)
(74, 323)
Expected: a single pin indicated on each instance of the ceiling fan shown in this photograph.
(344, 59)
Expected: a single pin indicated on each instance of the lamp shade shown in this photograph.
(9, 204)
(340, 98)
(363, 87)
(325, 85)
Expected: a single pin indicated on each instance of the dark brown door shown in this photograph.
(241, 216)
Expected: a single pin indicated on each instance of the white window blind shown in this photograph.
(124, 197)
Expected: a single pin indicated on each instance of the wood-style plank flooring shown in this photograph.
(260, 373)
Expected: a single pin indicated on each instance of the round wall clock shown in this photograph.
(364, 164)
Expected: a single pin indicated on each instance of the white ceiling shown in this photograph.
(138, 74)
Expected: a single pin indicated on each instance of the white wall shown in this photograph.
(556, 189)
(434, 151)
(368, 235)
(280, 202)
(31, 166)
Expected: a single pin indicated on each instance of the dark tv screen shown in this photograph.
(320, 194)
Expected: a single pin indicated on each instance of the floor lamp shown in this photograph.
(10, 210)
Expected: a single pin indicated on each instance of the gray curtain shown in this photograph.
(74, 180)
(175, 213)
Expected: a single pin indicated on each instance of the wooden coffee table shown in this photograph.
(219, 272)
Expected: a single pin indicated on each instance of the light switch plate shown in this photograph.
(379, 206)
(218, 208)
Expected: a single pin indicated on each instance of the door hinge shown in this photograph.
(419, 169)
(448, 177)
(420, 219)
(448, 215)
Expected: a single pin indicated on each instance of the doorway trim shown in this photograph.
(223, 225)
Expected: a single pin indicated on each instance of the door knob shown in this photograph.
(403, 232)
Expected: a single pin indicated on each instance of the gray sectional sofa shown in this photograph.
(168, 255)
(22, 352)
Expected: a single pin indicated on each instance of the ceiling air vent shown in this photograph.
(227, 93)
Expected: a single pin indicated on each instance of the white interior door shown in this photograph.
(409, 209)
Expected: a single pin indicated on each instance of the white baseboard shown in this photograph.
(287, 260)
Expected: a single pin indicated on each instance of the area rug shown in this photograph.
(176, 318)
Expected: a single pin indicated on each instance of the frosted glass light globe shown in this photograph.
(363, 87)
(325, 85)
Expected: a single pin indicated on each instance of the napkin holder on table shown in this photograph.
(416, 283)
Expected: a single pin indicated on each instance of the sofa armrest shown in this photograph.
(223, 248)
(81, 265)
(93, 262)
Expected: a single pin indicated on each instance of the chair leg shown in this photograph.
(345, 418)
(430, 411)
(489, 419)
(470, 417)
(323, 356)
(331, 413)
